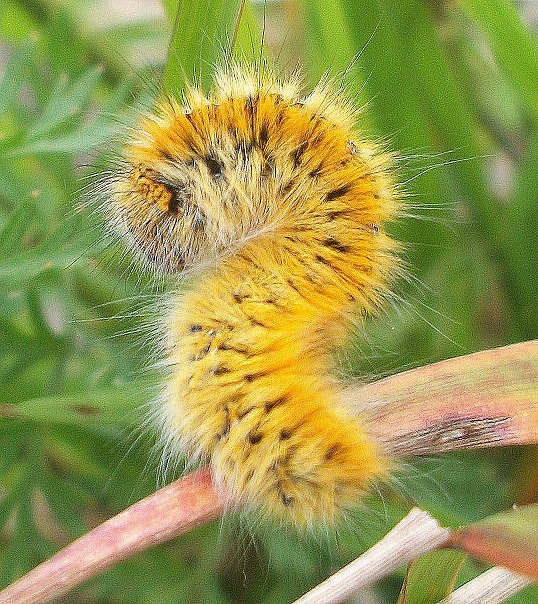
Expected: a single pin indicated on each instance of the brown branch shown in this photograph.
(171, 511)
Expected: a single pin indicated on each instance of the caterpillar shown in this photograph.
(275, 207)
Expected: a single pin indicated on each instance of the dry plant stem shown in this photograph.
(413, 536)
(491, 587)
(484, 399)
(175, 509)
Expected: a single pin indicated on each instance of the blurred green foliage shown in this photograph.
(451, 87)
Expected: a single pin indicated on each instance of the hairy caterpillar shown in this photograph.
(276, 206)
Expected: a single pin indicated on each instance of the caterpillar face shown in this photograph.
(282, 206)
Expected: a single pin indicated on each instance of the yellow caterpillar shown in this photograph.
(276, 207)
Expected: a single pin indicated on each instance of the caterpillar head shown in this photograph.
(194, 179)
(168, 202)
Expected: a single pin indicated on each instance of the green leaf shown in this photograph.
(15, 226)
(322, 21)
(14, 75)
(62, 500)
(104, 407)
(431, 577)
(203, 32)
(88, 137)
(65, 102)
(518, 242)
(512, 44)
(248, 38)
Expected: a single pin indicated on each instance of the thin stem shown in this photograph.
(413, 536)
(494, 586)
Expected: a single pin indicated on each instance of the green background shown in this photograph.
(450, 87)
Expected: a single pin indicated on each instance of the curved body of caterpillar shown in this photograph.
(279, 206)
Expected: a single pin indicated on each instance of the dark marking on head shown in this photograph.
(175, 201)
(250, 107)
(285, 459)
(270, 405)
(243, 350)
(255, 322)
(263, 136)
(279, 118)
(293, 286)
(203, 352)
(195, 327)
(336, 214)
(239, 297)
(285, 434)
(319, 139)
(336, 245)
(296, 156)
(320, 258)
(288, 186)
(215, 166)
(226, 426)
(331, 451)
(316, 171)
(286, 499)
(245, 412)
(268, 168)
(375, 228)
(219, 370)
(199, 221)
(249, 260)
(336, 193)
(250, 377)
(174, 204)
(254, 437)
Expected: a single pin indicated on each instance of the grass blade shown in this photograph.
(203, 31)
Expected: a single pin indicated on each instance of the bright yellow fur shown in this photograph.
(278, 206)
